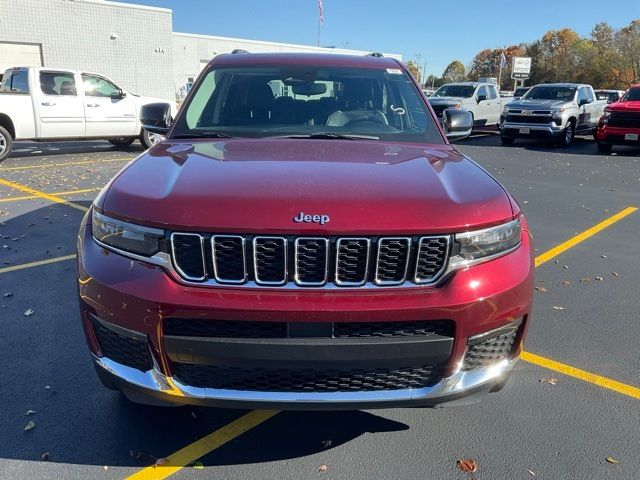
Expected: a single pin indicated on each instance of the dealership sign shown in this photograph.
(521, 68)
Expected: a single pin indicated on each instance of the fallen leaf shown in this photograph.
(566, 282)
(198, 465)
(30, 425)
(600, 279)
(105, 468)
(193, 414)
(160, 461)
(551, 381)
(45, 456)
(542, 289)
(467, 465)
(8, 294)
(322, 468)
(615, 274)
(326, 443)
(556, 307)
(30, 412)
(585, 280)
(611, 460)
(135, 454)
(28, 313)
(603, 256)
(531, 472)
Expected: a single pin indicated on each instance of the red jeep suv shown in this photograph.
(305, 237)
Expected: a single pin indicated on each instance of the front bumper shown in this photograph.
(542, 131)
(139, 298)
(618, 135)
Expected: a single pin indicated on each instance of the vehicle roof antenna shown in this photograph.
(375, 54)
(236, 51)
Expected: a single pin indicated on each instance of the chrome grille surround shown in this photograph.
(299, 261)
(445, 241)
(269, 243)
(215, 254)
(385, 267)
(345, 266)
(174, 256)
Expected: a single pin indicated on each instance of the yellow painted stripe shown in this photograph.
(63, 164)
(36, 264)
(603, 382)
(38, 193)
(554, 252)
(198, 449)
(67, 192)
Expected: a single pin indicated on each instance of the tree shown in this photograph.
(414, 69)
(455, 71)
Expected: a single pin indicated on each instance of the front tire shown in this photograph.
(568, 134)
(122, 142)
(604, 147)
(6, 143)
(148, 139)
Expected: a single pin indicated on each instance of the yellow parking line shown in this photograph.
(36, 264)
(63, 164)
(198, 449)
(67, 192)
(554, 252)
(38, 193)
(603, 382)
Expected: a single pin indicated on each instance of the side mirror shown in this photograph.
(457, 124)
(156, 117)
(481, 98)
(119, 95)
(582, 102)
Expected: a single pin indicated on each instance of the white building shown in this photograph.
(132, 44)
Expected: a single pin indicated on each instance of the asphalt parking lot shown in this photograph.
(570, 410)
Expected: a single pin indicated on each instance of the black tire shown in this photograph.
(507, 140)
(568, 134)
(148, 140)
(6, 143)
(604, 147)
(122, 142)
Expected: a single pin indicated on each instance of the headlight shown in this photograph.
(126, 236)
(476, 246)
(557, 115)
(604, 119)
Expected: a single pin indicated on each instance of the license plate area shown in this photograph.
(632, 137)
(525, 131)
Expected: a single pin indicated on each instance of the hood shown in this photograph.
(259, 186)
(538, 104)
(624, 106)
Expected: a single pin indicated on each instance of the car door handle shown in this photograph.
(48, 104)
(93, 104)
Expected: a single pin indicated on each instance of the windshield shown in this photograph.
(520, 92)
(632, 95)
(302, 101)
(548, 92)
(463, 91)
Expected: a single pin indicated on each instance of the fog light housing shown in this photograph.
(488, 348)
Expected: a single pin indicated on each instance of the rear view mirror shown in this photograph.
(309, 88)
(457, 124)
(156, 118)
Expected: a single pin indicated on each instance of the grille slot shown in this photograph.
(393, 329)
(392, 260)
(306, 380)
(431, 258)
(624, 119)
(229, 258)
(311, 261)
(352, 261)
(488, 352)
(197, 327)
(534, 119)
(119, 348)
(270, 260)
(188, 255)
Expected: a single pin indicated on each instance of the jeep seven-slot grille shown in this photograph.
(309, 261)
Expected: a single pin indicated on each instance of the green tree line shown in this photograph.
(607, 58)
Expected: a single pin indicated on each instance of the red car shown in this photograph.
(305, 237)
(620, 123)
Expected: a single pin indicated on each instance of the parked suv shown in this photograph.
(305, 237)
(620, 122)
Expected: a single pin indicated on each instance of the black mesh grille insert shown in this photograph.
(311, 261)
(393, 329)
(533, 119)
(188, 255)
(125, 350)
(432, 255)
(188, 327)
(270, 260)
(491, 350)
(352, 261)
(229, 259)
(352, 380)
(624, 119)
(392, 261)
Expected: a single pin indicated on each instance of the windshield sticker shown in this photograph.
(395, 71)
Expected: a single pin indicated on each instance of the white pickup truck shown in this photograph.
(49, 104)
(482, 99)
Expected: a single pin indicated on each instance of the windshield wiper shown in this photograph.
(330, 136)
(203, 135)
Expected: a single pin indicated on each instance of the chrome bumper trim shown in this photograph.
(156, 383)
(552, 130)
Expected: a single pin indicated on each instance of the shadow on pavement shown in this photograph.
(36, 149)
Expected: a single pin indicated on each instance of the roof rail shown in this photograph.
(375, 54)
(237, 51)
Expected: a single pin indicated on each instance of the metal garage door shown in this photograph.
(19, 55)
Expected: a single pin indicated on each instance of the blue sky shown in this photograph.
(440, 31)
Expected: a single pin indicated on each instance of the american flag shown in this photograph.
(321, 11)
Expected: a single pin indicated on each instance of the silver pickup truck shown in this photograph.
(482, 100)
(555, 111)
